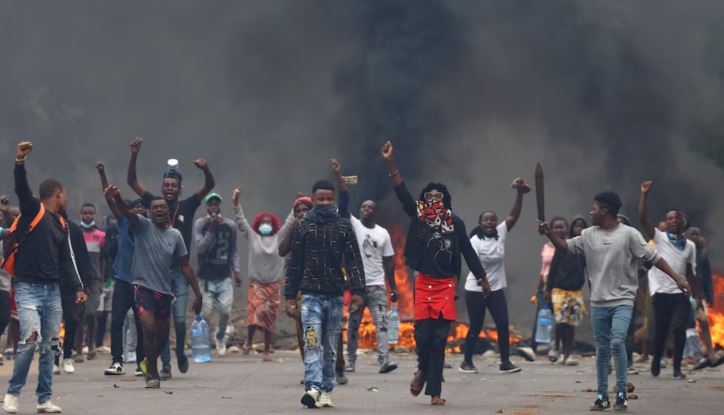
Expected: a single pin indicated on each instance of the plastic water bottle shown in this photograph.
(545, 326)
(393, 326)
(200, 347)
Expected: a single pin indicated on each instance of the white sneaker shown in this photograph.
(220, 347)
(48, 407)
(10, 404)
(325, 400)
(68, 366)
(56, 370)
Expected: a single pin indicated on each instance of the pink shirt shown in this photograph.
(546, 257)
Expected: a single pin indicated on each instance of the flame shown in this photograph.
(716, 313)
(406, 306)
(405, 290)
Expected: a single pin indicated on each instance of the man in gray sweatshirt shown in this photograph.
(612, 252)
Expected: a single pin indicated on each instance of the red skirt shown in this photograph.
(434, 296)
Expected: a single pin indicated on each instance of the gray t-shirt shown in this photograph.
(155, 254)
(612, 262)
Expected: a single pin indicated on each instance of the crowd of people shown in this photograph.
(136, 269)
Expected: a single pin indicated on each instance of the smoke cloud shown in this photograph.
(603, 94)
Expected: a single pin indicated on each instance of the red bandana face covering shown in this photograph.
(435, 215)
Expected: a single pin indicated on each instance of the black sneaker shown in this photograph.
(349, 367)
(468, 367)
(621, 403)
(388, 367)
(704, 362)
(678, 375)
(310, 399)
(183, 363)
(655, 367)
(601, 404)
(508, 367)
(165, 373)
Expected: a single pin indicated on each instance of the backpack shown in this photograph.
(13, 242)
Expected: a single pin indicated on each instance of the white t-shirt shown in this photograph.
(491, 252)
(374, 244)
(676, 258)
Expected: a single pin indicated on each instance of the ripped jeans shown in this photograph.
(320, 321)
(40, 313)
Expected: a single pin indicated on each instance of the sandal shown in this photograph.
(437, 401)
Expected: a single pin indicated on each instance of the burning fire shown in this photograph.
(406, 306)
(716, 313)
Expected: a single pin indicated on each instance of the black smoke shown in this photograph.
(603, 94)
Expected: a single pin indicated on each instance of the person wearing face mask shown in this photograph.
(671, 309)
(436, 243)
(215, 238)
(488, 241)
(266, 271)
(323, 244)
(94, 241)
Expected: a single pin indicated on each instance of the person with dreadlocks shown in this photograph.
(488, 241)
(181, 217)
(436, 241)
(564, 290)
(671, 309)
(266, 271)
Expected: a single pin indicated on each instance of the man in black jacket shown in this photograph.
(42, 252)
(321, 243)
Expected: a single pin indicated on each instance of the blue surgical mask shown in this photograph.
(265, 229)
(87, 225)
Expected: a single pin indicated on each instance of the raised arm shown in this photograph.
(342, 187)
(132, 179)
(285, 246)
(648, 227)
(558, 242)
(239, 217)
(102, 173)
(123, 208)
(409, 205)
(209, 182)
(521, 188)
(29, 205)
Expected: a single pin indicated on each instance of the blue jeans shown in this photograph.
(320, 322)
(376, 301)
(217, 295)
(180, 289)
(610, 327)
(39, 312)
